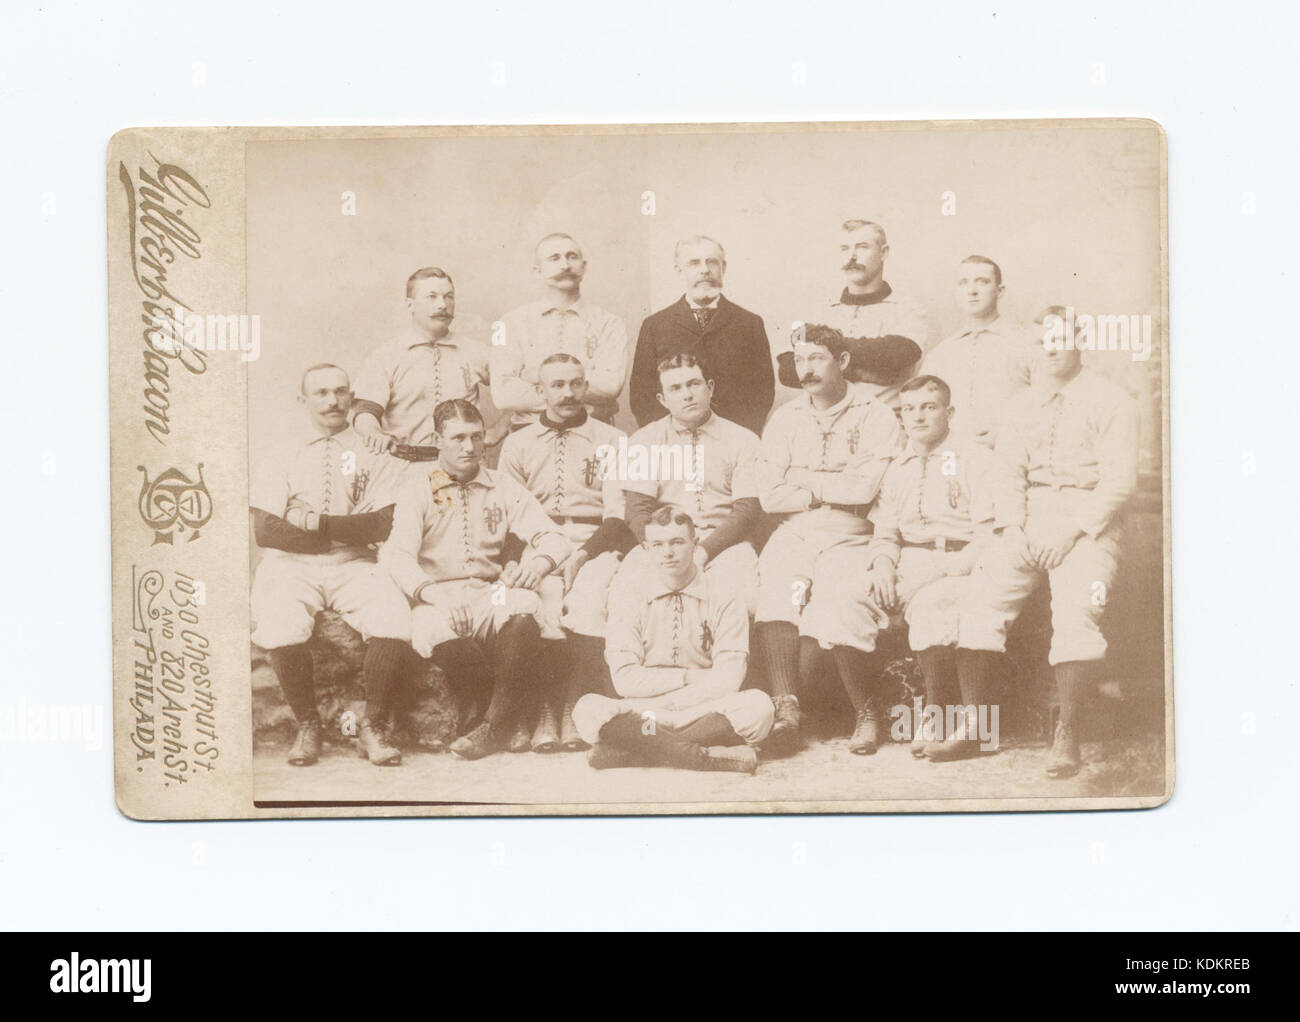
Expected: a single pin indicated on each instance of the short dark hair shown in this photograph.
(826, 336)
(921, 382)
(997, 270)
(681, 360)
(857, 225)
(561, 356)
(456, 408)
(555, 236)
(665, 515)
(302, 385)
(424, 273)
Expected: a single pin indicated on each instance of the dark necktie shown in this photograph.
(702, 316)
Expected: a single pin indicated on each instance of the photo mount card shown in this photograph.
(869, 592)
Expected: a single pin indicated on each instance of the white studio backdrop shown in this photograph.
(1220, 79)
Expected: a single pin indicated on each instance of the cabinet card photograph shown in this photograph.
(642, 469)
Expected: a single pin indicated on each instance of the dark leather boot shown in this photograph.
(375, 743)
(1065, 759)
(866, 732)
(306, 745)
(546, 736)
(482, 741)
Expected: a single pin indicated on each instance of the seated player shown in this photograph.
(720, 488)
(318, 507)
(557, 459)
(445, 553)
(933, 516)
(1066, 462)
(824, 456)
(677, 652)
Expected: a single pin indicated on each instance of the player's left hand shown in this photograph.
(532, 573)
(572, 566)
(509, 574)
(1051, 545)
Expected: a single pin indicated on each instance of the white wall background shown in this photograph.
(1220, 78)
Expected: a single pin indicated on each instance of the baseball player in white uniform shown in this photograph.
(677, 651)
(932, 519)
(560, 321)
(402, 381)
(560, 459)
(445, 553)
(1066, 464)
(987, 361)
(318, 506)
(717, 485)
(824, 456)
(888, 332)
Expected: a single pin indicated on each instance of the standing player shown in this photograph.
(987, 361)
(561, 321)
(403, 381)
(677, 650)
(558, 460)
(824, 455)
(934, 514)
(887, 332)
(1067, 463)
(729, 340)
(720, 493)
(445, 552)
(317, 508)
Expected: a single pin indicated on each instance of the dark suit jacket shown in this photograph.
(733, 348)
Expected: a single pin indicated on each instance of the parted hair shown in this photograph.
(857, 225)
(302, 386)
(456, 408)
(997, 270)
(819, 333)
(561, 356)
(424, 273)
(695, 239)
(921, 382)
(666, 515)
(682, 360)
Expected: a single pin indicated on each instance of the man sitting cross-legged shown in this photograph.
(677, 650)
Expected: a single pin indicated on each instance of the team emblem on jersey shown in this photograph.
(360, 479)
(954, 494)
(591, 347)
(492, 516)
(467, 379)
(854, 434)
(440, 484)
(590, 471)
(173, 501)
(706, 637)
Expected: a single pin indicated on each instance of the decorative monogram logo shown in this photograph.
(360, 480)
(590, 471)
(174, 501)
(854, 434)
(954, 494)
(706, 637)
(492, 517)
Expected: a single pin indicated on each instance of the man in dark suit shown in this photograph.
(729, 340)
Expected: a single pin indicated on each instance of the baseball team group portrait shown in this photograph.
(691, 467)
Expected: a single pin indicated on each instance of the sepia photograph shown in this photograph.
(685, 469)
